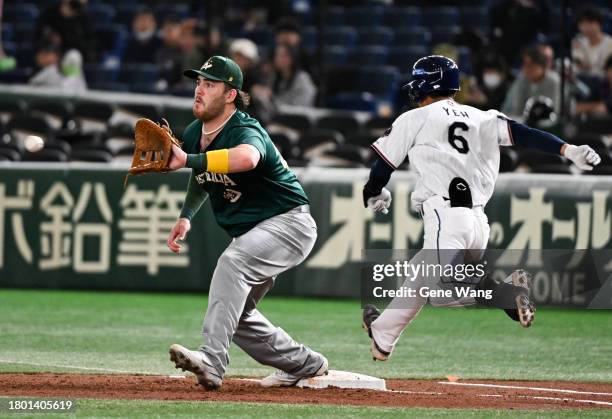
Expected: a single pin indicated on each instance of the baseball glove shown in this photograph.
(153, 147)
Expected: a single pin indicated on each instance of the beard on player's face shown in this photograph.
(209, 102)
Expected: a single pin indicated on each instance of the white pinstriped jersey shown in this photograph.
(444, 140)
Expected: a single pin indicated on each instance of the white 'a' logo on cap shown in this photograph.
(207, 65)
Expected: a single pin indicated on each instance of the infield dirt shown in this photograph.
(404, 393)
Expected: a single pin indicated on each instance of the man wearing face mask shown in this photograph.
(144, 42)
(66, 24)
(494, 83)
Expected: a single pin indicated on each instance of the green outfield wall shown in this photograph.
(75, 226)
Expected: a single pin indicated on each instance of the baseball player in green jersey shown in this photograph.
(261, 204)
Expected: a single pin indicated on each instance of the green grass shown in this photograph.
(163, 409)
(95, 332)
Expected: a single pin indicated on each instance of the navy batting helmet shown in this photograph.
(434, 73)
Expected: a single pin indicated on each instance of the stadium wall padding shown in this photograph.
(75, 226)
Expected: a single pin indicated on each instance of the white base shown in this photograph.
(344, 379)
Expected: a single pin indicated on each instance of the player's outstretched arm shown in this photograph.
(193, 202)
(584, 157)
(375, 195)
(241, 158)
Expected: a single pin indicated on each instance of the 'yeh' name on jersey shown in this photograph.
(445, 140)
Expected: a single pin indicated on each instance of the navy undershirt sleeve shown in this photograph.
(379, 177)
(534, 138)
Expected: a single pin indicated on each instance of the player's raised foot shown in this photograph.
(370, 314)
(196, 362)
(284, 379)
(525, 309)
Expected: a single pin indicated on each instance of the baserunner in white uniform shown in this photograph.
(455, 151)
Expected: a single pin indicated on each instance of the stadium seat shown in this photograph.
(20, 13)
(6, 32)
(317, 141)
(110, 39)
(362, 16)
(46, 154)
(404, 57)
(361, 139)
(593, 140)
(23, 32)
(476, 17)
(369, 55)
(402, 17)
(379, 36)
(377, 125)
(508, 159)
(100, 13)
(99, 73)
(354, 101)
(334, 54)
(141, 110)
(91, 155)
(9, 154)
(60, 145)
(11, 108)
(56, 113)
(335, 16)
(286, 146)
(23, 125)
(261, 36)
(92, 116)
(378, 80)
(344, 123)
(446, 34)
(437, 17)
(138, 73)
(342, 155)
(417, 36)
(534, 158)
(340, 35)
(295, 121)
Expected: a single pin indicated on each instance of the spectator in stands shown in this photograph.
(67, 24)
(592, 47)
(601, 102)
(169, 56)
(245, 53)
(516, 23)
(494, 82)
(73, 80)
(549, 54)
(144, 43)
(47, 60)
(469, 94)
(288, 32)
(535, 80)
(291, 85)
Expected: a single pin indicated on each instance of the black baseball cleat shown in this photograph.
(370, 314)
(525, 309)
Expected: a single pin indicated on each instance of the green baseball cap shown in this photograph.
(218, 68)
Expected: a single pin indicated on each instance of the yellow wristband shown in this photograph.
(217, 161)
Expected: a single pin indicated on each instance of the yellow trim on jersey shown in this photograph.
(218, 161)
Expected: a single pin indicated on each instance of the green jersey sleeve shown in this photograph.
(253, 137)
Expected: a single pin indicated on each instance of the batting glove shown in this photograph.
(584, 157)
(380, 202)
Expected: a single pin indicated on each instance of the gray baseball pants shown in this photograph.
(245, 272)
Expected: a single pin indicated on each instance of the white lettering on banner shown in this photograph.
(589, 228)
(101, 231)
(348, 241)
(148, 217)
(57, 204)
(62, 239)
(23, 201)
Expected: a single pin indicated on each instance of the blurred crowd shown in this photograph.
(514, 66)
